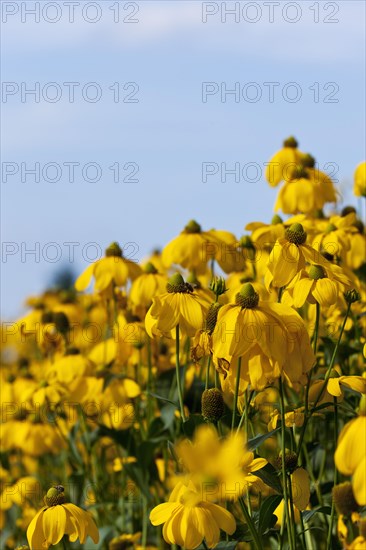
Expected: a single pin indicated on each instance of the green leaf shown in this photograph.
(269, 475)
(307, 514)
(266, 517)
(167, 414)
(161, 398)
(259, 439)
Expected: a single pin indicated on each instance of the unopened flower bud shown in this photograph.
(218, 286)
(352, 296)
(213, 406)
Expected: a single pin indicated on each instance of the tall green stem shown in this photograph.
(208, 372)
(144, 523)
(327, 376)
(177, 371)
(284, 475)
(235, 404)
(335, 478)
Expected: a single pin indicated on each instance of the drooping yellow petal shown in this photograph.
(257, 464)
(103, 272)
(325, 292)
(300, 483)
(53, 523)
(35, 533)
(161, 513)
(351, 446)
(83, 281)
(333, 387)
(301, 291)
(359, 482)
(356, 383)
(224, 519)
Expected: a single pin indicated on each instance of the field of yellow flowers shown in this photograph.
(213, 397)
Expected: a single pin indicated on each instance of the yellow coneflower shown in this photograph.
(60, 518)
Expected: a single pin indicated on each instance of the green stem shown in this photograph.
(327, 376)
(149, 382)
(235, 404)
(331, 364)
(177, 371)
(252, 529)
(316, 328)
(217, 383)
(284, 475)
(244, 416)
(144, 523)
(292, 525)
(335, 478)
(208, 372)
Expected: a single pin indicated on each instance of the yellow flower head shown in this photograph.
(180, 305)
(317, 283)
(193, 248)
(289, 256)
(113, 268)
(284, 162)
(336, 235)
(147, 285)
(269, 337)
(188, 518)
(57, 519)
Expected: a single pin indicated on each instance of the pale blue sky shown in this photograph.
(169, 132)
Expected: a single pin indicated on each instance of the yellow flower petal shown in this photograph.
(359, 482)
(83, 281)
(300, 483)
(35, 534)
(161, 513)
(53, 523)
